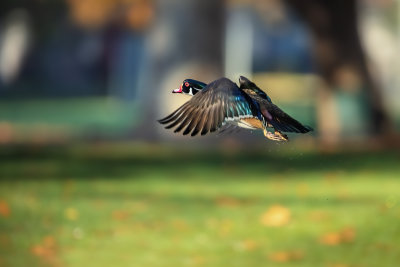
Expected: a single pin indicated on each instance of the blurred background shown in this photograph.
(89, 178)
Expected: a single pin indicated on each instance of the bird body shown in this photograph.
(250, 123)
(222, 101)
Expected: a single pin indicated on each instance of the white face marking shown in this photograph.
(190, 91)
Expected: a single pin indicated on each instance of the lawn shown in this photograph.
(156, 206)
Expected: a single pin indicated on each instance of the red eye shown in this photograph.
(186, 84)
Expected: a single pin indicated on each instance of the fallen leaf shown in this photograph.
(331, 177)
(46, 250)
(246, 245)
(227, 202)
(318, 216)
(346, 235)
(6, 132)
(4, 209)
(5, 240)
(180, 224)
(286, 256)
(249, 245)
(120, 215)
(196, 260)
(38, 250)
(381, 246)
(71, 214)
(49, 242)
(280, 256)
(276, 216)
(330, 239)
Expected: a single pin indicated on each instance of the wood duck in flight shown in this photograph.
(220, 102)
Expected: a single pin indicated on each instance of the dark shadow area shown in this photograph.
(62, 162)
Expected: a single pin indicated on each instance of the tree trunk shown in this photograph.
(340, 58)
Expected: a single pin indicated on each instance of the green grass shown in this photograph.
(150, 206)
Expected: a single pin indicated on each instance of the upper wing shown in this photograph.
(209, 109)
(276, 117)
(281, 120)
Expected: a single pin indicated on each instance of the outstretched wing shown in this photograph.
(281, 120)
(272, 114)
(209, 109)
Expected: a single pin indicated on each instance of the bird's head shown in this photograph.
(190, 87)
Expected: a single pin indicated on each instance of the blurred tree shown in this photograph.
(341, 59)
(189, 34)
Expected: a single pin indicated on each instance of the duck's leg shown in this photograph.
(276, 136)
(282, 136)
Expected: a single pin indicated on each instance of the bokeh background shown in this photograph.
(89, 178)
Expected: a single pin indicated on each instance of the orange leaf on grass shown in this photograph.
(276, 216)
(227, 202)
(346, 235)
(47, 250)
(4, 209)
(180, 224)
(246, 245)
(286, 256)
(120, 215)
(319, 216)
(331, 239)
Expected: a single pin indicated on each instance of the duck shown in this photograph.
(223, 102)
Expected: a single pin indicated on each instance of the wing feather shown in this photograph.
(284, 122)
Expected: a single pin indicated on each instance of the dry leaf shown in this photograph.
(47, 250)
(180, 224)
(246, 245)
(4, 209)
(346, 235)
(196, 260)
(276, 216)
(285, 256)
(71, 214)
(318, 216)
(120, 215)
(249, 245)
(331, 239)
(280, 256)
(227, 202)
